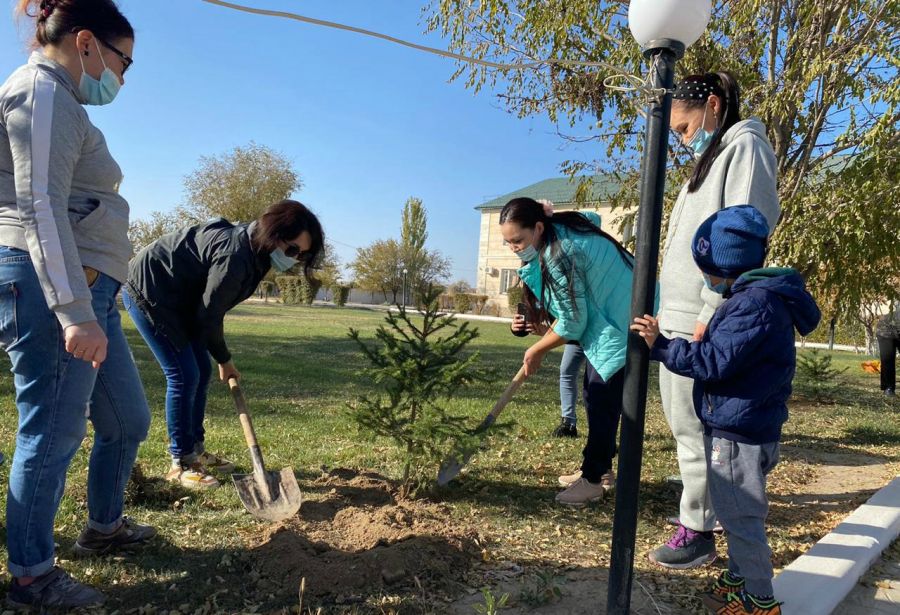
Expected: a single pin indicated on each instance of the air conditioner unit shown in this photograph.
(490, 270)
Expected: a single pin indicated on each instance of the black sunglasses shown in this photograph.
(126, 59)
(293, 251)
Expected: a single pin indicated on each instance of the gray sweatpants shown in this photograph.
(737, 483)
(678, 405)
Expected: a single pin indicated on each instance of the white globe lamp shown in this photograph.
(654, 21)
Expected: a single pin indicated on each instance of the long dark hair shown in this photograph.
(285, 221)
(55, 19)
(724, 86)
(526, 213)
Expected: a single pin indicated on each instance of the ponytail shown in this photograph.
(56, 19)
(693, 92)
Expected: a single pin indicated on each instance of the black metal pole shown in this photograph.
(663, 54)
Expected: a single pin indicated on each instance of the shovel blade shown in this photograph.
(451, 468)
(285, 497)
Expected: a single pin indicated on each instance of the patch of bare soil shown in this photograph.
(354, 541)
(836, 477)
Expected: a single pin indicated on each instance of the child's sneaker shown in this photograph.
(686, 549)
(53, 590)
(726, 584)
(743, 603)
(191, 476)
(214, 463)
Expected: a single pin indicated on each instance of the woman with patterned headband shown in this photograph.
(735, 165)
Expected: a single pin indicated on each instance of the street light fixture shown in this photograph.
(405, 271)
(664, 29)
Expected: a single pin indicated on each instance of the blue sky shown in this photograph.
(366, 123)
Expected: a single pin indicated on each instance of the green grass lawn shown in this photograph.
(300, 370)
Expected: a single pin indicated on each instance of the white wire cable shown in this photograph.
(634, 83)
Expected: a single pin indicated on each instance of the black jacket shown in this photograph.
(186, 281)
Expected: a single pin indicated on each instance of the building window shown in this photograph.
(508, 279)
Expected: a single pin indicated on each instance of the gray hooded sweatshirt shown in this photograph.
(742, 174)
(59, 188)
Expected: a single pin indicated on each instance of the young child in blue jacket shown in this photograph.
(742, 371)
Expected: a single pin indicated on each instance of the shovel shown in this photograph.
(451, 467)
(272, 496)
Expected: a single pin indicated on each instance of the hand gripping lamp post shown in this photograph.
(663, 29)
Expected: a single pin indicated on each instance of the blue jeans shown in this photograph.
(569, 372)
(55, 395)
(187, 372)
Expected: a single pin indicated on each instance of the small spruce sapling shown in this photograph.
(418, 361)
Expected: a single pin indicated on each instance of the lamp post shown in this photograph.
(663, 29)
(405, 271)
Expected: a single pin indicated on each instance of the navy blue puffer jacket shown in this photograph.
(745, 363)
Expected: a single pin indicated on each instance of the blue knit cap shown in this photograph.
(732, 241)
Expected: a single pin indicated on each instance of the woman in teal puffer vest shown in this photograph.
(578, 288)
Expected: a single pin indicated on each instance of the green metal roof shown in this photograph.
(560, 190)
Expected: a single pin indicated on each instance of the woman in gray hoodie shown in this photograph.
(64, 254)
(735, 165)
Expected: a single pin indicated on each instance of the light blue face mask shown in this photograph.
(528, 254)
(702, 138)
(719, 288)
(281, 261)
(98, 91)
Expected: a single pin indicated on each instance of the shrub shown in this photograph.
(816, 379)
(462, 302)
(308, 290)
(289, 288)
(340, 294)
(515, 295)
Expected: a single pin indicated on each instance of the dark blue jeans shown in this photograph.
(187, 372)
(603, 406)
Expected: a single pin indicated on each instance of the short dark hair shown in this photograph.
(55, 19)
(285, 221)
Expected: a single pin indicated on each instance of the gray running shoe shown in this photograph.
(53, 590)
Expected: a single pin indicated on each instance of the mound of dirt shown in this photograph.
(354, 540)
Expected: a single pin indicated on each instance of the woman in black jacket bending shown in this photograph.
(179, 289)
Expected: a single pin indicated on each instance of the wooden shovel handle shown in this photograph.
(511, 389)
(243, 412)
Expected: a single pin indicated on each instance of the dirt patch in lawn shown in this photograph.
(356, 542)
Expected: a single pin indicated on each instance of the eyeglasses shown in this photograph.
(126, 59)
(293, 251)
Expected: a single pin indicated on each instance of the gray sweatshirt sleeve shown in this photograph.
(46, 136)
(750, 180)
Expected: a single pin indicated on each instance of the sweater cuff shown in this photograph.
(706, 314)
(75, 313)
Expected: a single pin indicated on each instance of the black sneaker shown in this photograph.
(55, 589)
(565, 430)
(129, 535)
(890, 393)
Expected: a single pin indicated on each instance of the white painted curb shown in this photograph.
(816, 582)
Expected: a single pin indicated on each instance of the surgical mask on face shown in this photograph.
(281, 261)
(98, 91)
(702, 137)
(719, 288)
(528, 254)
